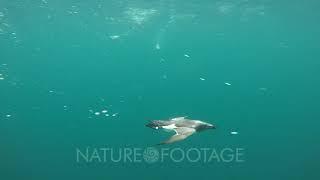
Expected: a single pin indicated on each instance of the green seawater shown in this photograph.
(246, 66)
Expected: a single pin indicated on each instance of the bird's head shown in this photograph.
(154, 124)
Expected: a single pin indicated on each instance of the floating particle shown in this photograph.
(234, 133)
(186, 55)
(6, 25)
(51, 91)
(114, 37)
(157, 46)
(35, 108)
(107, 115)
(162, 60)
(220, 34)
(8, 115)
(228, 84)
(97, 113)
(283, 45)
(164, 76)
(115, 114)
(90, 110)
(1, 78)
(104, 111)
(202, 79)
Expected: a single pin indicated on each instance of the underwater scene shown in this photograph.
(159, 89)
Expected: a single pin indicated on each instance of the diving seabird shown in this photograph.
(181, 126)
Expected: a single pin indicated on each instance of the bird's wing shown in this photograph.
(178, 118)
(181, 134)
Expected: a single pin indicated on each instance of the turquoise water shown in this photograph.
(250, 67)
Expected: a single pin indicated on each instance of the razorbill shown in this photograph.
(182, 127)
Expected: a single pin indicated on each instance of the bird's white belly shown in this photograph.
(170, 127)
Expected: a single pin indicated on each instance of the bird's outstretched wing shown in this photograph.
(181, 134)
(178, 118)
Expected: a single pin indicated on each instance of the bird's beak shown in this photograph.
(149, 125)
(212, 126)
